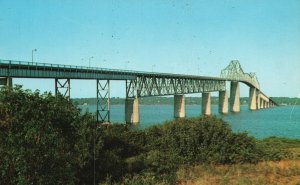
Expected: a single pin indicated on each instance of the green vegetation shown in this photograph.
(46, 140)
(286, 100)
(151, 101)
(188, 100)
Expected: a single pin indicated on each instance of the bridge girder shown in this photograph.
(145, 86)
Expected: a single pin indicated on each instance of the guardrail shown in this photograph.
(94, 69)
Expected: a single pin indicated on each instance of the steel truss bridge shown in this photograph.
(143, 84)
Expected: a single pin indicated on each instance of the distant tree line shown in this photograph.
(47, 140)
(151, 101)
(188, 100)
(286, 100)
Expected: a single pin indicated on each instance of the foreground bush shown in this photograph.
(207, 140)
(46, 140)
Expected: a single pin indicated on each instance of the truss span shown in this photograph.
(145, 86)
(234, 72)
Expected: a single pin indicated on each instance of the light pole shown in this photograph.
(153, 67)
(127, 62)
(90, 60)
(32, 54)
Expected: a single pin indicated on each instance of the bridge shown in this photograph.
(144, 84)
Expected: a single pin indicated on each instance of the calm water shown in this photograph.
(281, 121)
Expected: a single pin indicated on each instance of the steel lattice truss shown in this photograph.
(234, 72)
(145, 86)
(63, 86)
(103, 95)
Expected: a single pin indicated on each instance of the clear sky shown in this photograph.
(188, 37)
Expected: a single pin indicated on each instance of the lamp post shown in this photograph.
(32, 55)
(127, 62)
(90, 60)
(153, 67)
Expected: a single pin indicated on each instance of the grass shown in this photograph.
(281, 172)
(285, 172)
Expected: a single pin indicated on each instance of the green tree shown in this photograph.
(44, 139)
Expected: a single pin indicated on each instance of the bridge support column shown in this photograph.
(264, 104)
(103, 101)
(206, 103)
(132, 111)
(132, 103)
(258, 101)
(62, 86)
(223, 102)
(6, 81)
(179, 106)
(234, 97)
(252, 98)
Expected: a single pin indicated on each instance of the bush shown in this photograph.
(275, 149)
(46, 140)
(204, 140)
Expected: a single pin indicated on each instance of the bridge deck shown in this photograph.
(45, 70)
(149, 83)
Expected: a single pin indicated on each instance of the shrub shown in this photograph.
(46, 140)
(275, 149)
(205, 140)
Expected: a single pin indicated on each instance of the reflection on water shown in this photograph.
(279, 121)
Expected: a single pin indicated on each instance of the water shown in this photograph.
(281, 121)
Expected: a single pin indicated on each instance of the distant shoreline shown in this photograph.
(283, 101)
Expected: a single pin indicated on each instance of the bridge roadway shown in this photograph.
(144, 84)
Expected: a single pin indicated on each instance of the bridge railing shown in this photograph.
(61, 66)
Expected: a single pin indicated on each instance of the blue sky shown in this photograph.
(188, 37)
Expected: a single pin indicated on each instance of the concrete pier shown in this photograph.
(179, 106)
(6, 81)
(223, 102)
(206, 103)
(261, 103)
(258, 100)
(264, 104)
(252, 98)
(234, 97)
(132, 111)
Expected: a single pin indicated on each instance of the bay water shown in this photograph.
(282, 121)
